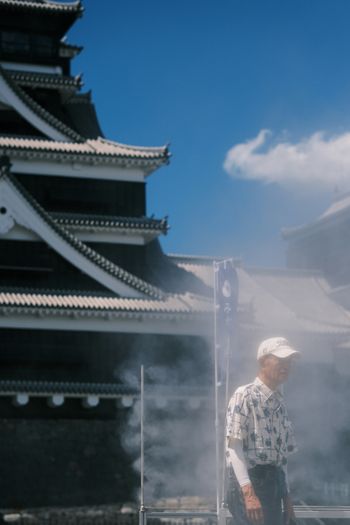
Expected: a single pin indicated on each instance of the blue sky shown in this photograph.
(207, 76)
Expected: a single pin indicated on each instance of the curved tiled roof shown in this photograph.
(97, 149)
(104, 264)
(204, 272)
(45, 80)
(142, 224)
(63, 303)
(43, 5)
(294, 299)
(202, 259)
(339, 210)
(39, 111)
(81, 147)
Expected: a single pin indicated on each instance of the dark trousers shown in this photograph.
(269, 485)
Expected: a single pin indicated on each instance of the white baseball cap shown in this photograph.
(278, 346)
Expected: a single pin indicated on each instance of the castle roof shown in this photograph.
(60, 302)
(34, 112)
(128, 298)
(45, 80)
(45, 6)
(62, 139)
(98, 150)
(292, 300)
(67, 50)
(46, 17)
(96, 265)
(109, 222)
(337, 212)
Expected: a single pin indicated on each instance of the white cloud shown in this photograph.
(316, 162)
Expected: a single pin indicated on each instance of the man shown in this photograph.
(259, 439)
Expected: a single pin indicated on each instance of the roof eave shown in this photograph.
(51, 6)
(121, 160)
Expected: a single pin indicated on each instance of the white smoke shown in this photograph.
(315, 162)
(179, 432)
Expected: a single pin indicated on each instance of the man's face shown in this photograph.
(276, 369)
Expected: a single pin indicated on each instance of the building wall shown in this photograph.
(33, 264)
(60, 462)
(88, 196)
(71, 455)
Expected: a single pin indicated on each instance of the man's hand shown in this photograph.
(252, 505)
(288, 514)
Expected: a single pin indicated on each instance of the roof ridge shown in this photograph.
(337, 209)
(64, 43)
(64, 304)
(131, 147)
(39, 110)
(201, 259)
(104, 216)
(45, 78)
(45, 5)
(81, 150)
(56, 291)
(100, 261)
(314, 225)
(191, 257)
(143, 223)
(59, 294)
(74, 3)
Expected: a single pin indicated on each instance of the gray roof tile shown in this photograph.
(29, 300)
(43, 5)
(45, 80)
(109, 222)
(282, 298)
(337, 211)
(99, 149)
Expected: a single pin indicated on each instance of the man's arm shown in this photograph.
(236, 458)
(251, 501)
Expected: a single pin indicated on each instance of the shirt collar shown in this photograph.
(265, 390)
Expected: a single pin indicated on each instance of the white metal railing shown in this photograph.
(314, 511)
(184, 515)
(301, 511)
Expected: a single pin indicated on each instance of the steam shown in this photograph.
(316, 162)
(180, 435)
(317, 401)
(179, 440)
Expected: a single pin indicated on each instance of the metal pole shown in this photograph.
(227, 305)
(142, 514)
(227, 380)
(216, 374)
(142, 439)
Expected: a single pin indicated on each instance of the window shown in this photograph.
(25, 44)
(15, 42)
(42, 45)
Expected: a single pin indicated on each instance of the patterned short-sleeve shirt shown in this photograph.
(258, 416)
